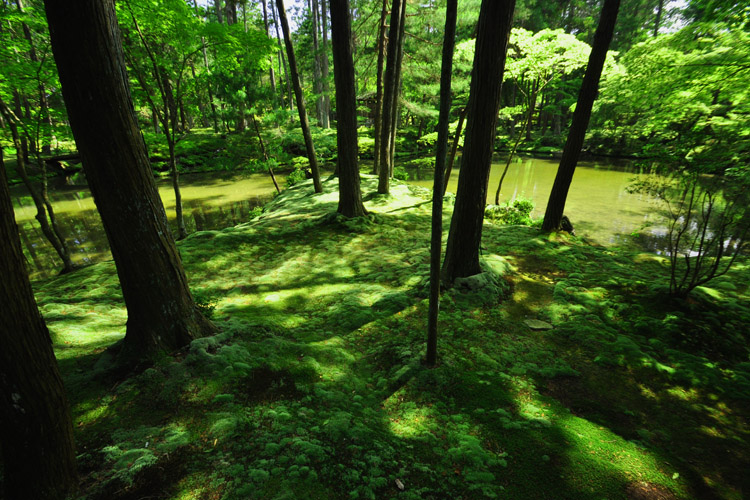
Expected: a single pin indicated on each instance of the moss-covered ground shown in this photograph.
(314, 388)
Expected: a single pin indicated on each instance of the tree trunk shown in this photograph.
(465, 236)
(300, 99)
(397, 91)
(36, 437)
(379, 86)
(214, 114)
(282, 61)
(324, 68)
(454, 149)
(436, 241)
(219, 14)
(41, 202)
(270, 68)
(389, 91)
(317, 84)
(657, 21)
(577, 133)
(162, 315)
(350, 196)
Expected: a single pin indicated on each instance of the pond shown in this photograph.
(598, 204)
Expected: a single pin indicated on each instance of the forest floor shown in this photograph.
(314, 387)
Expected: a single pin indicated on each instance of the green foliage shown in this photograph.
(205, 302)
(517, 212)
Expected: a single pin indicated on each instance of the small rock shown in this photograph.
(536, 324)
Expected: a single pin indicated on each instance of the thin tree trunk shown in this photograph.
(436, 240)
(214, 114)
(397, 91)
(507, 166)
(465, 236)
(283, 59)
(162, 315)
(51, 233)
(389, 91)
(36, 437)
(265, 154)
(379, 86)
(317, 84)
(300, 99)
(350, 195)
(454, 149)
(324, 68)
(577, 133)
(657, 21)
(270, 68)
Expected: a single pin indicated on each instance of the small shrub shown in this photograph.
(205, 302)
(400, 173)
(516, 213)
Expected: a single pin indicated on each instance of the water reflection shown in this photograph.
(210, 201)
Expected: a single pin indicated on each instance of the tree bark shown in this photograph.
(324, 68)
(270, 68)
(397, 91)
(454, 149)
(465, 236)
(36, 437)
(317, 83)
(350, 195)
(389, 90)
(282, 61)
(577, 133)
(379, 86)
(436, 240)
(162, 315)
(301, 110)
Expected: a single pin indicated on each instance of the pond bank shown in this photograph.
(314, 387)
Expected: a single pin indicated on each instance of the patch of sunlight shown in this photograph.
(90, 412)
(647, 392)
(274, 297)
(593, 448)
(712, 431)
(711, 292)
(683, 394)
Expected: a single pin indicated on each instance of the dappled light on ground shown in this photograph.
(314, 387)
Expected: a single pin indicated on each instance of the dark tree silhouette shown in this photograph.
(162, 315)
(350, 196)
(36, 435)
(465, 236)
(572, 150)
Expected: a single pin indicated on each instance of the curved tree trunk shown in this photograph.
(576, 134)
(162, 315)
(350, 196)
(36, 437)
(449, 41)
(493, 31)
(301, 110)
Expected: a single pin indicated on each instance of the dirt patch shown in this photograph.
(642, 490)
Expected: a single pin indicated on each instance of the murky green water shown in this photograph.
(210, 201)
(598, 205)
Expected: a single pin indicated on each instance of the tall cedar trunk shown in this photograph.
(379, 85)
(282, 61)
(350, 196)
(576, 134)
(162, 315)
(324, 68)
(465, 236)
(397, 91)
(389, 89)
(298, 95)
(217, 7)
(36, 437)
(270, 68)
(449, 40)
(317, 84)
